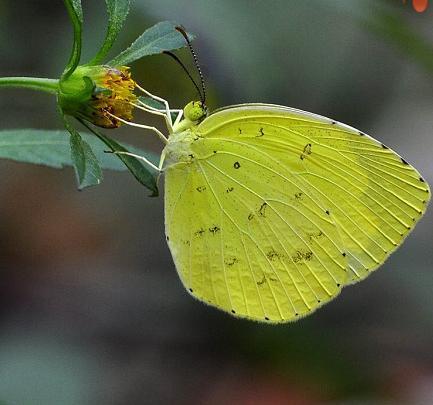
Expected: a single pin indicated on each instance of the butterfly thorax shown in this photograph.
(184, 139)
(180, 147)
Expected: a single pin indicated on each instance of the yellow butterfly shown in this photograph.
(270, 211)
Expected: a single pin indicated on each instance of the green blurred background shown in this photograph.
(91, 308)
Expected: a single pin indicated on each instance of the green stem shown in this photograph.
(75, 14)
(33, 83)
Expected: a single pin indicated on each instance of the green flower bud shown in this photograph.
(99, 94)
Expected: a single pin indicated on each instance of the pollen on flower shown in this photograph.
(119, 103)
(99, 94)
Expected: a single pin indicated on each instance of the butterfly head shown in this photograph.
(195, 111)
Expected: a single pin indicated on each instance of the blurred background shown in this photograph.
(91, 308)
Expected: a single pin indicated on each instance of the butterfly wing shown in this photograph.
(276, 209)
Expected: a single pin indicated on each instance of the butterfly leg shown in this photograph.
(145, 160)
(151, 110)
(161, 161)
(163, 101)
(179, 117)
(133, 124)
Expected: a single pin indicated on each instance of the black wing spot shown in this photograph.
(306, 152)
(214, 151)
(250, 216)
(404, 162)
(361, 133)
(214, 230)
(236, 165)
(262, 281)
(312, 236)
(231, 261)
(422, 180)
(338, 284)
(318, 301)
(261, 133)
(233, 311)
(266, 318)
(384, 146)
(167, 238)
(273, 255)
(240, 131)
(229, 190)
(299, 195)
(344, 254)
(200, 189)
(333, 122)
(262, 210)
(191, 156)
(191, 290)
(302, 256)
(327, 212)
(200, 232)
(296, 314)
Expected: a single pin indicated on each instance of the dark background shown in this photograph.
(91, 308)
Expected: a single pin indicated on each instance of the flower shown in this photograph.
(99, 94)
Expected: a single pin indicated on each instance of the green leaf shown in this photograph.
(52, 148)
(157, 39)
(117, 12)
(85, 162)
(75, 12)
(146, 177)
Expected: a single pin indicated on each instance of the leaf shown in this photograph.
(117, 12)
(85, 162)
(143, 175)
(157, 39)
(75, 12)
(52, 148)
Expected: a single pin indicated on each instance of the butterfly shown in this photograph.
(270, 211)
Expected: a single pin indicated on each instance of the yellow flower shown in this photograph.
(99, 94)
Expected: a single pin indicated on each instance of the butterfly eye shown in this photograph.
(194, 111)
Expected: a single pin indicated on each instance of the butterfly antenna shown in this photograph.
(172, 55)
(197, 65)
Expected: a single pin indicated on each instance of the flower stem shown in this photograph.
(33, 83)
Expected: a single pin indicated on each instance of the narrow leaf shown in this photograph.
(75, 12)
(117, 13)
(85, 162)
(52, 148)
(157, 39)
(146, 177)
